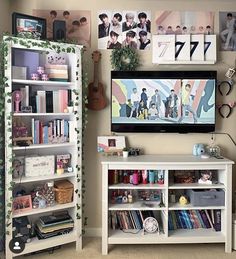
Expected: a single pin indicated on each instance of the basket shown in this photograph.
(63, 191)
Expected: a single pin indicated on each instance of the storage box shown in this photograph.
(63, 191)
(39, 166)
(206, 198)
(19, 72)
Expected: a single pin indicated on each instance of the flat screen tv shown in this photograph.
(163, 101)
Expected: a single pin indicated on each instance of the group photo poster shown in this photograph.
(118, 29)
(187, 22)
(77, 24)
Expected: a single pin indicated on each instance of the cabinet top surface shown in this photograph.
(164, 159)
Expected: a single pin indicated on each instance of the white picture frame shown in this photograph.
(106, 144)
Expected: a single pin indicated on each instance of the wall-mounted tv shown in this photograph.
(163, 101)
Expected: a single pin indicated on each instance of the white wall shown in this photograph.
(99, 122)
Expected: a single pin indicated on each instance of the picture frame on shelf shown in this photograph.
(23, 24)
(22, 204)
(107, 144)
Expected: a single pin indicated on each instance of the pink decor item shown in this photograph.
(40, 70)
(44, 77)
(17, 98)
(34, 76)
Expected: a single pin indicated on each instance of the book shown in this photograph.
(63, 163)
(209, 218)
(49, 101)
(204, 218)
(200, 218)
(217, 220)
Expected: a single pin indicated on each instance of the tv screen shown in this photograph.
(163, 101)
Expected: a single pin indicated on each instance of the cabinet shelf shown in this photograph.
(136, 187)
(42, 83)
(196, 235)
(48, 209)
(39, 146)
(134, 237)
(138, 205)
(196, 186)
(177, 206)
(43, 178)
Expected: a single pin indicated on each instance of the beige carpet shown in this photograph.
(92, 250)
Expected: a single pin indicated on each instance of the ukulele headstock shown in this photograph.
(96, 56)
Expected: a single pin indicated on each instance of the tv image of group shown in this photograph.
(163, 101)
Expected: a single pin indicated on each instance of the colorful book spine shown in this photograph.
(204, 218)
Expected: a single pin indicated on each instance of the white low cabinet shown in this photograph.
(169, 164)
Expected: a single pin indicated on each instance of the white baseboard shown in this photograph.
(93, 232)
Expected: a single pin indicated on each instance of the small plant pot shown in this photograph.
(70, 109)
(125, 154)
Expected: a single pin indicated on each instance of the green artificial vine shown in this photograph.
(124, 59)
(58, 48)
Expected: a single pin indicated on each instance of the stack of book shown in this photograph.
(132, 219)
(57, 72)
(54, 225)
(50, 101)
(193, 219)
(56, 131)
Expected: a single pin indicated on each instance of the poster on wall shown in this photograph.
(227, 23)
(188, 22)
(74, 25)
(124, 28)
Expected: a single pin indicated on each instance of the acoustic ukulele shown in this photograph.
(96, 97)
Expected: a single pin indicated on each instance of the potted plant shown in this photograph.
(125, 152)
(70, 106)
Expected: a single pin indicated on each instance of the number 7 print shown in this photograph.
(207, 44)
(165, 47)
(194, 45)
(180, 47)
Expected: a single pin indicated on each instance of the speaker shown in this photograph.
(59, 30)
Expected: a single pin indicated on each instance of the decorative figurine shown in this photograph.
(183, 200)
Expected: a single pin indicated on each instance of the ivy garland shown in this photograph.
(27, 43)
(125, 59)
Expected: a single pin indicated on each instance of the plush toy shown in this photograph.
(183, 200)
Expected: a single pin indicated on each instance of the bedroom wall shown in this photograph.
(99, 122)
(4, 16)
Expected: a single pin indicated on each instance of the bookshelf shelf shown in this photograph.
(42, 83)
(133, 206)
(41, 244)
(192, 224)
(42, 114)
(42, 96)
(45, 178)
(48, 209)
(136, 187)
(43, 146)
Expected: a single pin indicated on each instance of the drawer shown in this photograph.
(206, 197)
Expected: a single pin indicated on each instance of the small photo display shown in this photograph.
(110, 143)
(22, 203)
(63, 164)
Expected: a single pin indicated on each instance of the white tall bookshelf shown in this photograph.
(74, 146)
(168, 163)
